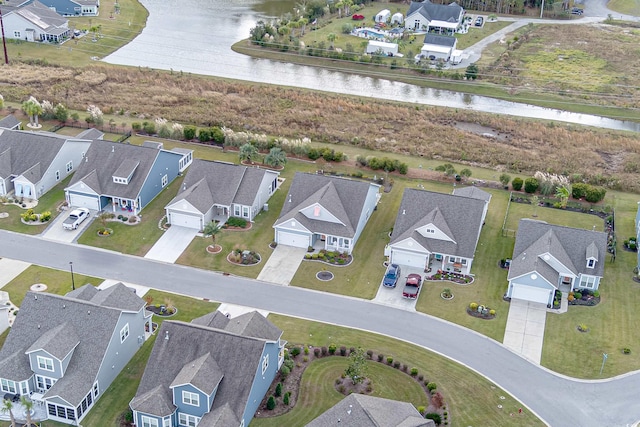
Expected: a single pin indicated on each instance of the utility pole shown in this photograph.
(4, 41)
(542, 9)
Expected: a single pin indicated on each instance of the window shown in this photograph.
(166, 422)
(57, 175)
(165, 180)
(190, 398)
(588, 282)
(95, 390)
(245, 212)
(236, 210)
(148, 421)
(591, 263)
(188, 420)
(124, 333)
(8, 386)
(69, 167)
(265, 363)
(44, 383)
(45, 363)
(16, 34)
(23, 388)
(346, 243)
(61, 411)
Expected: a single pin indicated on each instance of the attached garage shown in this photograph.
(293, 239)
(531, 293)
(82, 201)
(410, 259)
(185, 220)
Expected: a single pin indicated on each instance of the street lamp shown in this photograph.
(73, 283)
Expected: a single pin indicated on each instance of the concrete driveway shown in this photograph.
(55, 231)
(10, 269)
(524, 333)
(392, 297)
(172, 243)
(282, 265)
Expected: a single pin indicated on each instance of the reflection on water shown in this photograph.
(199, 40)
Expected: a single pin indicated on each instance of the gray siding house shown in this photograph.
(325, 211)
(435, 231)
(214, 190)
(122, 177)
(212, 372)
(64, 351)
(434, 18)
(33, 163)
(547, 257)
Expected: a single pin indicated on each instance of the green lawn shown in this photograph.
(134, 239)
(48, 202)
(475, 34)
(470, 398)
(518, 211)
(318, 392)
(628, 7)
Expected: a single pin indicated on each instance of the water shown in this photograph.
(198, 40)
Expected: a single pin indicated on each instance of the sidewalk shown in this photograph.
(10, 269)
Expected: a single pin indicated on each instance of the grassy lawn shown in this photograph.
(48, 202)
(518, 211)
(318, 392)
(136, 239)
(628, 7)
(57, 281)
(475, 34)
(470, 398)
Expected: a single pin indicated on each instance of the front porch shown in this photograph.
(445, 263)
(331, 243)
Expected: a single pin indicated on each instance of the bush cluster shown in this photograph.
(236, 222)
(383, 163)
(329, 154)
(589, 192)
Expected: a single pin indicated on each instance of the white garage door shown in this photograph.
(530, 293)
(80, 201)
(408, 259)
(292, 239)
(183, 220)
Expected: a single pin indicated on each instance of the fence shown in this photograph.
(507, 232)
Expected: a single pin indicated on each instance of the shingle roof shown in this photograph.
(58, 341)
(439, 40)
(91, 133)
(251, 324)
(203, 373)
(473, 192)
(436, 12)
(359, 410)
(343, 198)
(9, 122)
(181, 343)
(220, 417)
(570, 246)
(457, 216)
(21, 151)
(48, 314)
(43, 17)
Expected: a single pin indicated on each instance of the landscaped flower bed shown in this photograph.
(244, 257)
(330, 257)
(480, 311)
(584, 297)
(462, 279)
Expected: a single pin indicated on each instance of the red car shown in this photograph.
(357, 17)
(412, 286)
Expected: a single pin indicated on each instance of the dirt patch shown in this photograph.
(484, 131)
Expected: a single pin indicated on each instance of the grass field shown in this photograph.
(629, 7)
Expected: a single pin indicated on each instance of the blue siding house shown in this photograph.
(74, 7)
(212, 372)
(64, 351)
(123, 178)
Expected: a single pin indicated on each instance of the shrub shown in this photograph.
(435, 417)
(504, 179)
(432, 386)
(149, 128)
(595, 194)
(577, 295)
(396, 364)
(136, 126)
(45, 216)
(316, 351)
(404, 367)
(414, 372)
(473, 306)
(132, 219)
(370, 354)
(343, 350)
(389, 360)
(189, 132)
(332, 349)
(380, 357)
(306, 350)
(492, 312)
(437, 400)
(324, 351)
(271, 403)
(295, 351)
(465, 172)
(237, 222)
(285, 371)
(531, 185)
(596, 294)
(278, 391)
(626, 350)
(420, 377)
(516, 184)
(204, 135)
(421, 409)
(286, 397)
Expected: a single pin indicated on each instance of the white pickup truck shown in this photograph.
(75, 218)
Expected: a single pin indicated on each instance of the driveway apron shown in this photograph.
(55, 231)
(282, 265)
(172, 243)
(524, 333)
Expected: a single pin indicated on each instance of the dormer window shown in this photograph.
(431, 230)
(189, 398)
(591, 263)
(45, 363)
(120, 180)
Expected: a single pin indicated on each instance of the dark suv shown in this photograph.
(577, 11)
(391, 278)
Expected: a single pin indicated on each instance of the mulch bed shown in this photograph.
(474, 313)
(156, 310)
(214, 249)
(325, 276)
(588, 300)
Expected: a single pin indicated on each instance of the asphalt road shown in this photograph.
(558, 400)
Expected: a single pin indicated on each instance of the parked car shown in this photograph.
(75, 218)
(391, 278)
(479, 21)
(412, 286)
(577, 11)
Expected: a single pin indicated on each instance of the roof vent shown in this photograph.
(35, 297)
(64, 305)
(166, 335)
(404, 211)
(113, 149)
(38, 326)
(289, 198)
(86, 159)
(88, 311)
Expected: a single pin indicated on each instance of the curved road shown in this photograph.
(558, 400)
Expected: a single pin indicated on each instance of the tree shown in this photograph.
(472, 72)
(248, 152)
(504, 179)
(563, 194)
(33, 109)
(61, 113)
(276, 157)
(302, 23)
(535, 201)
(271, 403)
(331, 38)
(28, 407)
(357, 368)
(75, 117)
(465, 172)
(7, 407)
(211, 229)
(104, 217)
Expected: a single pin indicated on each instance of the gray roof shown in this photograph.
(439, 40)
(91, 133)
(44, 18)
(27, 153)
(102, 161)
(117, 296)
(203, 373)
(251, 324)
(437, 12)
(473, 192)
(360, 410)
(570, 246)
(457, 216)
(209, 183)
(45, 318)
(221, 416)
(9, 122)
(179, 344)
(58, 341)
(343, 198)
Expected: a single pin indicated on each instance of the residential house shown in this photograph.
(32, 163)
(475, 193)
(122, 177)
(326, 211)
(34, 22)
(212, 372)
(437, 46)
(547, 257)
(214, 190)
(64, 351)
(10, 122)
(74, 7)
(434, 18)
(435, 231)
(361, 410)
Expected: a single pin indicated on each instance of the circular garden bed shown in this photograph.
(324, 275)
(246, 257)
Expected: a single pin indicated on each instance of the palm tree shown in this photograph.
(28, 406)
(276, 157)
(293, 25)
(33, 109)
(211, 229)
(7, 406)
(332, 38)
(563, 193)
(248, 152)
(302, 23)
